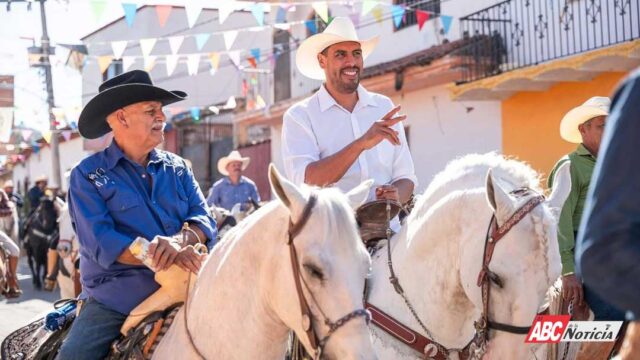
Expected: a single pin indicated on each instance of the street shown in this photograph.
(15, 313)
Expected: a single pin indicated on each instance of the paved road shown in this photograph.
(15, 313)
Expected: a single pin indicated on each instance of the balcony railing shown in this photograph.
(520, 33)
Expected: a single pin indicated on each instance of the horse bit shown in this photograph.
(316, 344)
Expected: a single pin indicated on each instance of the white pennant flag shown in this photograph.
(225, 9)
(171, 62)
(149, 62)
(231, 103)
(193, 9)
(235, 57)
(229, 38)
(322, 9)
(118, 48)
(146, 45)
(127, 61)
(175, 42)
(193, 62)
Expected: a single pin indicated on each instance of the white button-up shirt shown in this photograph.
(318, 127)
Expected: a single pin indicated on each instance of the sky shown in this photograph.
(68, 21)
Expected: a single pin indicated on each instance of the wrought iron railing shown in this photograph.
(517, 33)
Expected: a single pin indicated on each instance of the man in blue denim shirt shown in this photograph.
(233, 188)
(128, 190)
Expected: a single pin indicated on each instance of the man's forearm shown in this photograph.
(127, 258)
(331, 169)
(405, 189)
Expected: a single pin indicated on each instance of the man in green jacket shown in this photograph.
(583, 125)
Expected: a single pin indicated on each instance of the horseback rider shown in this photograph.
(12, 249)
(13, 196)
(344, 134)
(128, 190)
(37, 192)
(233, 188)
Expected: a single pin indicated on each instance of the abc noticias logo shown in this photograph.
(560, 328)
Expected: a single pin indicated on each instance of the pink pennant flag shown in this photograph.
(26, 134)
(66, 134)
(163, 12)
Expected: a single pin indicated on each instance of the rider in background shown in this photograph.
(15, 197)
(233, 188)
(37, 192)
(12, 249)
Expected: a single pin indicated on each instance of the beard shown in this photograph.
(348, 86)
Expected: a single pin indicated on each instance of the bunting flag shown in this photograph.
(163, 12)
(231, 103)
(97, 7)
(6, 123)
(193, 9)
(260, 104)
(235, 57)
(36, 147)
(398, 13)
(46, 135)
(229, 38)
(149, 63)
(146, 45)
(201, 40)
(214, 59)
(104, 62)
(255, 52)
(311, 25)
(257, 9)
(377, 14)
(355, 19)
(175, 42)
(367, 6)
(225, 9)
(252, 62)
(422, 17)
(195, 113)
(214, 109)
(118, 48)
(129, 12)
(26, 134)
(281, 15)
(193, 62)
(66, 134)
(446, 22)
(322, 10)
(171, 62)
(127, 61)
(59, 114)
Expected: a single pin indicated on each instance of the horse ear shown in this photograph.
(498, 198)
(287, 192)
(359, 194)
(561, 189)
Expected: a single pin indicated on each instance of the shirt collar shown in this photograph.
(114, 154)
(227, 180)
(583, 151)
(326, 101)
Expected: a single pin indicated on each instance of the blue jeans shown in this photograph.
(601, 310)
(92, 332)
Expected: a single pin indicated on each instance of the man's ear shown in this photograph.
(322, 60)
(121, 118)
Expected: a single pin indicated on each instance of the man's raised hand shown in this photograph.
(381, 130)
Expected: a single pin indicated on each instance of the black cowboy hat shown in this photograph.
(125, 89)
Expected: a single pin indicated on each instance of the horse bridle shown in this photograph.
(307, 318)
(486, 276)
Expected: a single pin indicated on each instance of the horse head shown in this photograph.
(46, 215)
(331, 263)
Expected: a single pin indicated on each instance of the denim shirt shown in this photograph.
(113, 200)
(225, 194)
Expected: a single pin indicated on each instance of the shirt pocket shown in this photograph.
(123, 201)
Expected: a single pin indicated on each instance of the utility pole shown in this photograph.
(55, 149)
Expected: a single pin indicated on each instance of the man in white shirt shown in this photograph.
(343, 134)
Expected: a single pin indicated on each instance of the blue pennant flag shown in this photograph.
(446, 22)
(258, 12)
(195, 113)
(398, 12)
(201, 39)
(281, 16)
(255, 52)
(129, 12)
(311, 25)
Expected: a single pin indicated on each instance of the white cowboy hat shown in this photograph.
(41, 178)
(8, 183)
(340, 29)
(594, 107)
(233, 156)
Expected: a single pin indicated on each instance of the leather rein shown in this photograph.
(316, 343)
(477, 345)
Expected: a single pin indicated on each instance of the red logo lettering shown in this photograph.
(547, 329)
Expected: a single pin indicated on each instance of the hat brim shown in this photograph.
(569, 125)
(222, 164)
(93, 119)
(307, 54)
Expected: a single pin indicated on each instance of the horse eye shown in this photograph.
(314, 271)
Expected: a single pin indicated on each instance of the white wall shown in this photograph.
(71, 152)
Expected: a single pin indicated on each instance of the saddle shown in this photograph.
(373, 219)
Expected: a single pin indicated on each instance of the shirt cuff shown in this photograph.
(205, 224)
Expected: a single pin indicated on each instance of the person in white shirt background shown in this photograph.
(343, 134)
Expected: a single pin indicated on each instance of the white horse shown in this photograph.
(438, 255)
(8, 217)
(245, 301)
(68, 248)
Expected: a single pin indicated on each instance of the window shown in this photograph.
(114, 69)
(432, 6)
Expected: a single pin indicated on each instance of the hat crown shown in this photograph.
(235, 154)
(601, 102)
(130, 77)
(343, 27)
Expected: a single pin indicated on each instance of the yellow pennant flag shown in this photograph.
(47, 136)
(214, 58)
(104, 62)
(377, 14)
(322, 9)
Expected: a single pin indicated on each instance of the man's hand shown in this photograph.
(163, 250)
(189, 259)
(572, 289)
(387, 192)
(381, 130)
